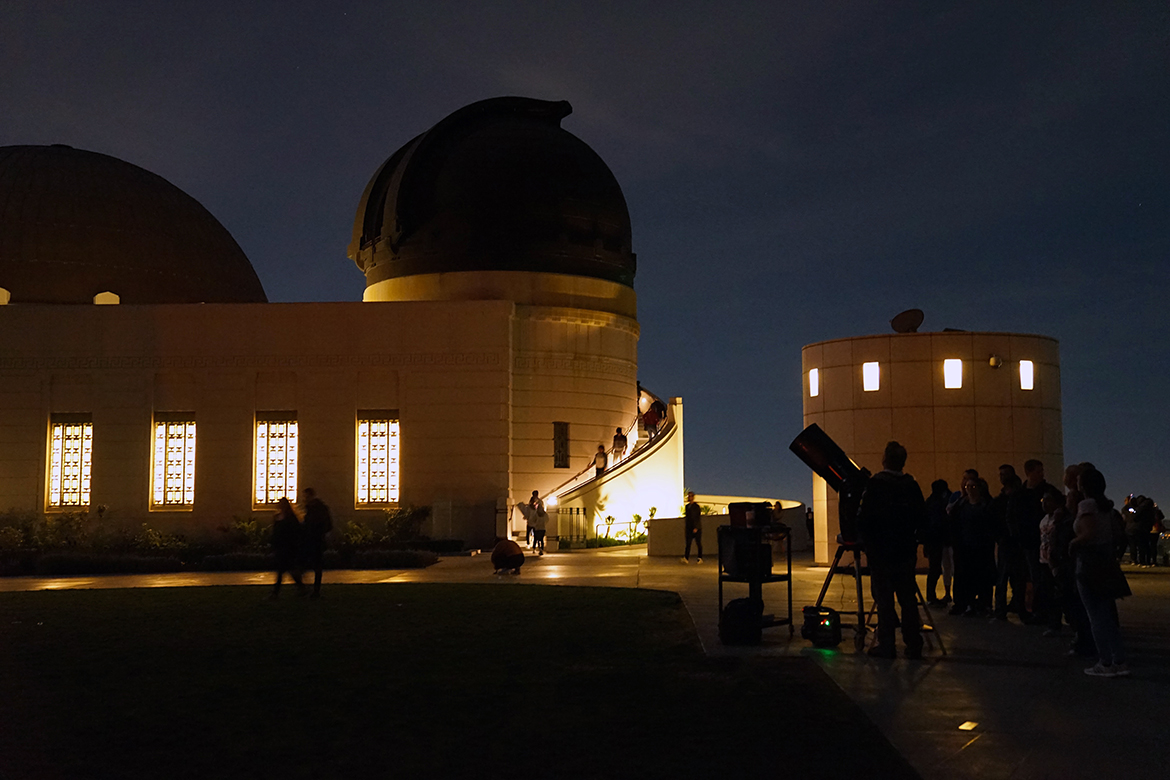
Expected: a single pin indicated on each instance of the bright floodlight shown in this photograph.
(952, 373)
(870, 377)
(552, 501)
(1027, 375)
(814, 382)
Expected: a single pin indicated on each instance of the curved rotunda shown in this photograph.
(74, 224)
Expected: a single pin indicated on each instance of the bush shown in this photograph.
(393, 559)
(248, 532)
(82, 562)
(239, 561)
(403, 523)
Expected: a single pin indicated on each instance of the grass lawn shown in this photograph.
(403, 680)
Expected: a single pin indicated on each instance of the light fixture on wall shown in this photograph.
(995, 361)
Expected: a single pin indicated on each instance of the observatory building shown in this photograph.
(495, 347)
(956, 400)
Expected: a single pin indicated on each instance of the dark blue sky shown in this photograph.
(794, 172)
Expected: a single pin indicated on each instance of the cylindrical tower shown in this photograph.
(498, 202)
(955, 400)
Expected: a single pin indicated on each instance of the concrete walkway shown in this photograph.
(1005, 703)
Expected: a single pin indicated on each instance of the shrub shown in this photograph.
(393, 559)
(10, 539)
(61, 563)
(403, 523)
(239, 561)
(248, 532)
(151, 540)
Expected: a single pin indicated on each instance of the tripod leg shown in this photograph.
(859, 636)
(832, 569)
(928, 627)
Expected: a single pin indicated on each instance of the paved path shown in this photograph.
(1036, 714)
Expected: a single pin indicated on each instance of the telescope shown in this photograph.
(828, 461)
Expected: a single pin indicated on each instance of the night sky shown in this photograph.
(794, 172)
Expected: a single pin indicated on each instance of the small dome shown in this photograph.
(75, 223)
(496, 186)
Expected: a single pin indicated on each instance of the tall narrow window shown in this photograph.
(870, 377)
(1027, 375)
(276, 457)
(377, 457)
(814, 382)
(173, 474)
(952, 373)
(560, 445)
(70, 460)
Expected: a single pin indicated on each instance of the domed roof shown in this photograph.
(496, 186)
(75, 223)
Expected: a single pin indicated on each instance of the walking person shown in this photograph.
(539, 521)
(693, 524)
(317, 525)
(892, 512)
(620, 442)
(286, 544)
(1099, 578)
(599, 461)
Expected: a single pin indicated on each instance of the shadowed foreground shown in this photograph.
(405, 680)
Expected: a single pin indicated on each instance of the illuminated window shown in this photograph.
(870, 377)
(276, 457)
(952, 373)
(70, 459)
(814, 382)
(377, 457)
(1027, 375)
(173, 474)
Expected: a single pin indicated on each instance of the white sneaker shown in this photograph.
(1120, 670)
(698, 560)
(1100, 670)
(685, 560)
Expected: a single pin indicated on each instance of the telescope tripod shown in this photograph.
(861, 627)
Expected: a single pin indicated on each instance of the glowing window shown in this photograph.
(1027, 375)
(870, 377)
(173, 474)
(276, 457)
(814, 382)
(952, 373)
(377, 457)
(70, 460)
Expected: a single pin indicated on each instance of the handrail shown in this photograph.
(643, 444)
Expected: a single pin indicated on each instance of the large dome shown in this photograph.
(496, 186)
(75, 223)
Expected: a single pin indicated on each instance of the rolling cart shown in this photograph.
(745, 555)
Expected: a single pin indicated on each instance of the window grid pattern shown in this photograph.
(377, 467)
(174, 464)
(276, 461)
(70, 464)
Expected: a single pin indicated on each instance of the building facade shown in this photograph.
(955, 400)
(495, 348)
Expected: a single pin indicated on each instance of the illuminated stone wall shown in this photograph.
(987, 421)
(446, 367)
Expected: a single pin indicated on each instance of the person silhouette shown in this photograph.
(317, 524)
(286, 541)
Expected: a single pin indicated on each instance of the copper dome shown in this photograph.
(496, 186)
(75, 223)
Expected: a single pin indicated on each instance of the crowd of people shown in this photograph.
(1049, 556)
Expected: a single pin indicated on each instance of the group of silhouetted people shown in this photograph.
(1048, 556)
(299, 544)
